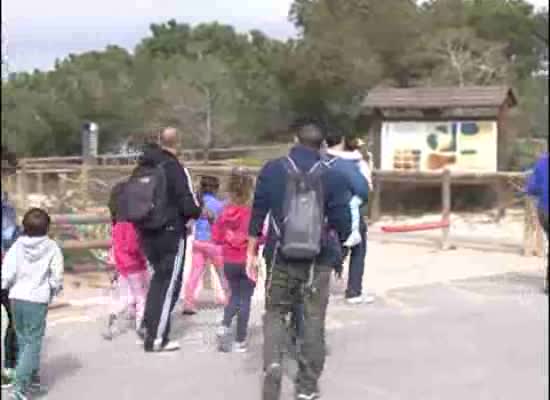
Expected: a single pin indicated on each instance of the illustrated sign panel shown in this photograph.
(432, 146)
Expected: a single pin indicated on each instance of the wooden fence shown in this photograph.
(190, 155)
(532, 238)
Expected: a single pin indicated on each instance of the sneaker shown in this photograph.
(17, 395)
(140, 332)
(222, 332)
(38, 389)
(240, 347)
(367, 299)
(109, 333)
(189, 311)
(169, 346)
(308, 396)
(7, 381)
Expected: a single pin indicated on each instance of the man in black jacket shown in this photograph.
(165, 247)
(293, 283)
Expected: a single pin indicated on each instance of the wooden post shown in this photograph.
(527, 217)
(446, 207)
(376, 206)
(500, 199)
(9, 183)
(62, 185)
(22, 186)
(84, 175)
(40, 183)
(538, 240)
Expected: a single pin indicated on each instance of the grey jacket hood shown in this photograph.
(35, 248)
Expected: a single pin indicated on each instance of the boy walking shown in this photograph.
(33, 273)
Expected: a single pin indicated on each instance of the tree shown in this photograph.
(460, 58)
(200, 97)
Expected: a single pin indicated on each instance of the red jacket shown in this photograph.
(128, 255)
(231, 232)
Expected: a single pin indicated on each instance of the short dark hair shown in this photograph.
(334, 138)
(209, 184)
(310, 132)
(36, 222)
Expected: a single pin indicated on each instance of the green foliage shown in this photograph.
(223, 87)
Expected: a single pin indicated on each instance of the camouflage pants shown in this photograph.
(290, 285)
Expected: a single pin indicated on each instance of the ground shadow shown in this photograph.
(56, 369)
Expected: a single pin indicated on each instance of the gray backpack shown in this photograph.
(303, 211)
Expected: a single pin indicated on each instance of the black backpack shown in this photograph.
(142, 199)
(304, 213)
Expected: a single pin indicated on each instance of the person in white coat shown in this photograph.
(32, 270)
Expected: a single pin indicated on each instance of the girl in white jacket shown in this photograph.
(32, 270)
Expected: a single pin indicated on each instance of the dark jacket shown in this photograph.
(538, 183)
(183, 204)
(350, 168)
(270, 194)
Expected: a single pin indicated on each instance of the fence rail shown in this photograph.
(129, 159)
(80, 174)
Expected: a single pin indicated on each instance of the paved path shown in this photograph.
(453, 325)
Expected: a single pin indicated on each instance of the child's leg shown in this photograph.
(355, 236)
(215, 256)
(119, 296)
(246, 288)
(232, 274)
(30, 319)
(5, 322)
(10, 340)
(197, 271)
(139, 284)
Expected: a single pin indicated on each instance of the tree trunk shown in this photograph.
(208, 133)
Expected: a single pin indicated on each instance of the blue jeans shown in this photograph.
(30, 325)
(357, 265)
(242, 289)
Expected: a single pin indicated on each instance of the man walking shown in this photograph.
(164, 246)
(349, 163)
(306, 245)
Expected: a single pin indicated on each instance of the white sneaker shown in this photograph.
(240, 347)
(222, 331)
(172, 345)
(367, 299)
(309, 396)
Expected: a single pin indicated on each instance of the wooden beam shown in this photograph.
(446, 208)
(85, 245)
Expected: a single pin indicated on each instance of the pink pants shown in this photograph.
(203, 254)
(131, 296)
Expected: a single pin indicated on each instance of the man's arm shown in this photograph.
(9, 268)
(261, 205)
(534, 181)
(57, 269)
(358, 183)
(188, 205)
(337, 197)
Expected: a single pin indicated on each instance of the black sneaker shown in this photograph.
(38, 389)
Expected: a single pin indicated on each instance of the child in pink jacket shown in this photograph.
(132, 274)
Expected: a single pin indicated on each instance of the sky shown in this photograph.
(38, 32)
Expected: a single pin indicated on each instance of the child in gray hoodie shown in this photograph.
(32, 270)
